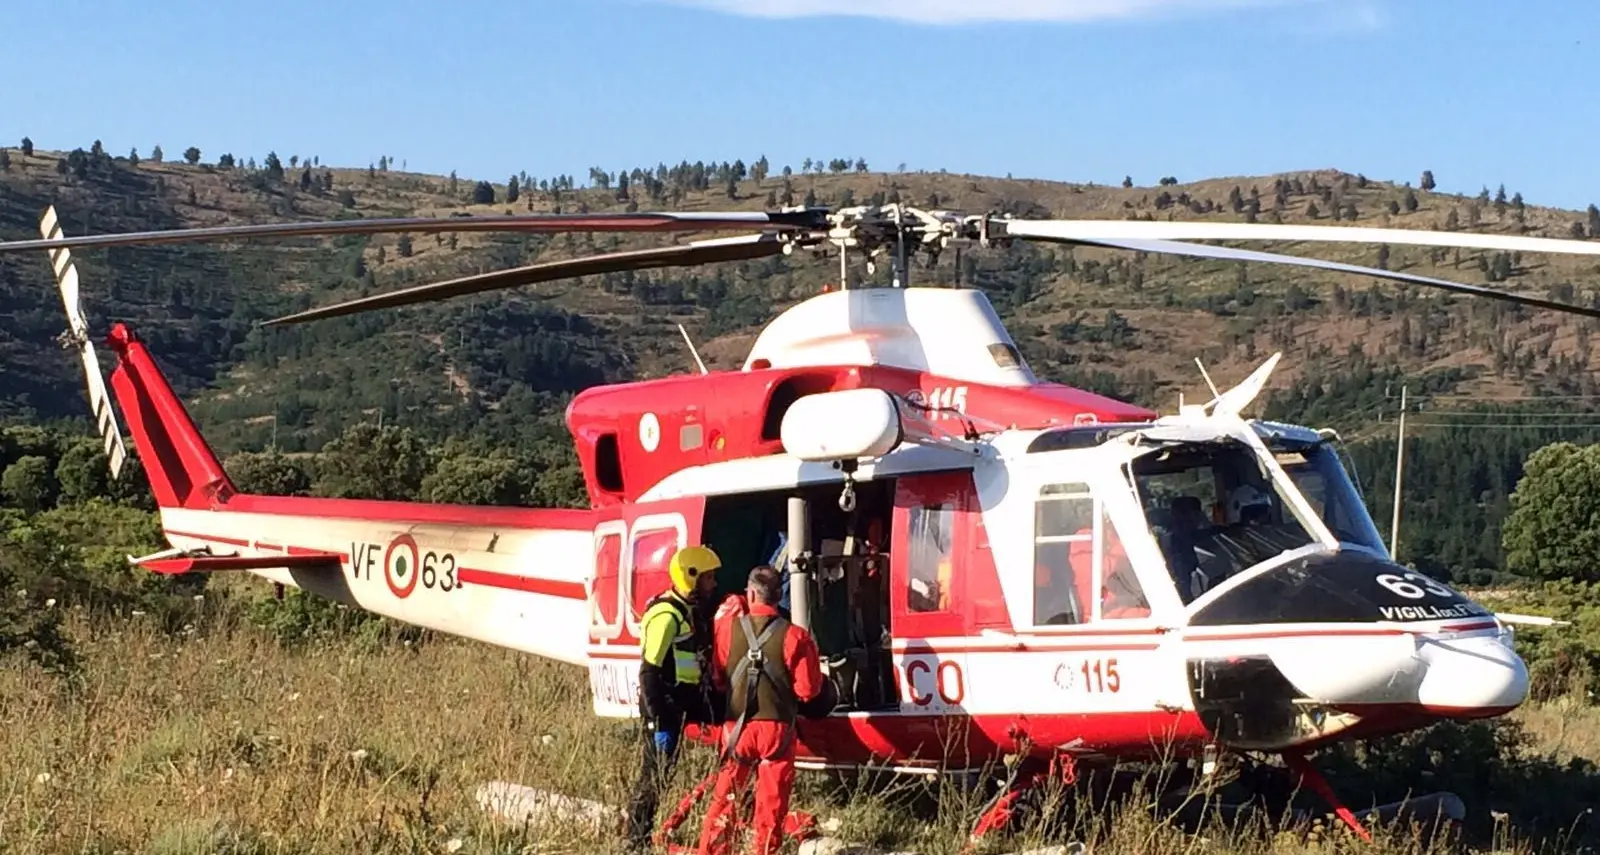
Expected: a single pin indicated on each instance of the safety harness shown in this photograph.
(748, 676)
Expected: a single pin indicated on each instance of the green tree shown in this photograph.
(269, 473)
(82, 473)
(1427, 180)
(27, 147)
(513, 189)
(483, 193)
(470, 480)
(28, 484)
(29, 622)
(156, 154)
(1553, 530)
(368, 462)
(5, 160)
(192, 156)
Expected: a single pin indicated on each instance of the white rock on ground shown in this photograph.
(525, 804)
(836, 846)
(520, 803)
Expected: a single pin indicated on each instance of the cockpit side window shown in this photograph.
(1081, 571)
(931, 530)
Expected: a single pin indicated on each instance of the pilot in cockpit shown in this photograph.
(1249, 505)
(1187, 520)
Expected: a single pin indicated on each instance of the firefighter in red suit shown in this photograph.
(765, 695)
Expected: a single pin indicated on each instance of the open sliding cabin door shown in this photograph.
(935, 529)
(633, 546)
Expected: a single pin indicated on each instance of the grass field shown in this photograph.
(226, 741)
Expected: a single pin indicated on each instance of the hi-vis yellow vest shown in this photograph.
(667, 626)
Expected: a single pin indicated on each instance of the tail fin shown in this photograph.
(182, 469)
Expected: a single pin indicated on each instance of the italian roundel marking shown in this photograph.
(649, 432)
(402, 566)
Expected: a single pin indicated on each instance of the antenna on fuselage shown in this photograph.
(692, 351)
(1214, 393)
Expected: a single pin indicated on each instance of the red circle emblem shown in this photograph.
(401, 566)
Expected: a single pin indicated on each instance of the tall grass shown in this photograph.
(226, 741)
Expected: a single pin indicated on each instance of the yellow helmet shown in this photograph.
(688, 565)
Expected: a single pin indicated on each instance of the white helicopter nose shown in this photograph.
(1449, 675)
(1479, 673)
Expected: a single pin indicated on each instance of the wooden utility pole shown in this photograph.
(1399, 469)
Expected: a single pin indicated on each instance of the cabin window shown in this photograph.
(930, 557)
(1121, 595)
(1005, 355)
(652, 555)
(607, 580)
(1081, 571)
(608, 463)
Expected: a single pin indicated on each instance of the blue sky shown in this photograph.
(1479, 91)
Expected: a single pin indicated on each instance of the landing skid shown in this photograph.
(1434, 812)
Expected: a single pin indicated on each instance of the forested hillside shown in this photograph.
(498, 369)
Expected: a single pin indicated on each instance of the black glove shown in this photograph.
(823, 704)
(655, 696)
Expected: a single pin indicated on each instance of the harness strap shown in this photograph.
(755, 666)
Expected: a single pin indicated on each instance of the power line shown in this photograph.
(1506, 425)
(1517, 413)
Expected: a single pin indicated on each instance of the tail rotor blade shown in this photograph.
(66, 275)
(701, 252)
(524, 223)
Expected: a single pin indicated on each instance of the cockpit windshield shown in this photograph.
(1318, 474)
(1216, 512)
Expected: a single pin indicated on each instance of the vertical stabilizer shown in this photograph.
(77, 335)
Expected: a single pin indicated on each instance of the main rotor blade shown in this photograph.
(700, 252)
(1230, 254)
(525, 223)
(1141, 230)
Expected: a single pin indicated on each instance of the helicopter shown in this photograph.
(994, 565)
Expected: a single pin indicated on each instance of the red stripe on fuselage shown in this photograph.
(1046, 646)
(506, 581)
(1331, 632)
(530, 584)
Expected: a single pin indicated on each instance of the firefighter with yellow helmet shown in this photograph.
(675, 643)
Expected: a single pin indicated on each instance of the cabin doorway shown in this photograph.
(848, 582)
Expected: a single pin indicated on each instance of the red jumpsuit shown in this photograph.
(765, 747)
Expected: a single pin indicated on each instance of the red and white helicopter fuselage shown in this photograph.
(1010, 549)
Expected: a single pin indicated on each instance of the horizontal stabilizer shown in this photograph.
(211, 563)
(1529, 620)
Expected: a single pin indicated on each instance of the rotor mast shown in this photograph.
(897, 230)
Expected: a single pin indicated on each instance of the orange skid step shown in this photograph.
(209, 563)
